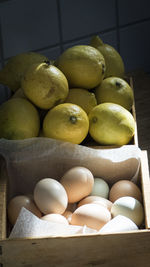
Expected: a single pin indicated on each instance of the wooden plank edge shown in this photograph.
(134, 114)
(100, 250)
(3, 201)
(145, 184)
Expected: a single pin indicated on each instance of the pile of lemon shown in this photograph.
(82, 93)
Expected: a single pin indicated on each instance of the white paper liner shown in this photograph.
(119, 223)
(30, 226)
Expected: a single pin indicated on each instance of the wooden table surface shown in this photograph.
(141, 85)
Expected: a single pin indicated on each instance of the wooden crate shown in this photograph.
(116, 249)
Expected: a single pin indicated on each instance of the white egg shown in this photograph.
(129, 207)
(100, 188)
(50, 196)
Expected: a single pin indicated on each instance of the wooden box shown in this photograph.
(116, 249)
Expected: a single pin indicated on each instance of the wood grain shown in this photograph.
(121, 249)
(3, 196)
(145, 186)
(141, 84)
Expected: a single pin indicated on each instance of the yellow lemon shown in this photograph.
(113, 60)
(83, 66)
(111, 124)
(115, 90)
(15, 68)
(67, 122)
(82, 98)
(19, 119)
(45, 85)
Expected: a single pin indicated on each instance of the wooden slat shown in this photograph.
(145, 183)
(3, 196)
(134, 114)
(141, 81)
(122, 249)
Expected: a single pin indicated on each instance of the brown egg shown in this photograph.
(55, 217)
(124, 188)
(78, 183)
(96, 200)
(15, 205)
(91, 215)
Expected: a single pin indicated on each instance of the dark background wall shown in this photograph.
(50, 26)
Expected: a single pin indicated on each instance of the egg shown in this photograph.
(91, 215)
(100, 188)
(124, 188)
(15, 205)
(96, 200)
(129, 207)
(78, 183)
(50, 196)
(55, 217)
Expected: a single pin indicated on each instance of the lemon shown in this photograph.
(113, 60)
(45, 85)
(82, 98)
(83, 66)
(16, 67)
(111, 124)
(115, 90)
(19, 119)
(67, 122)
